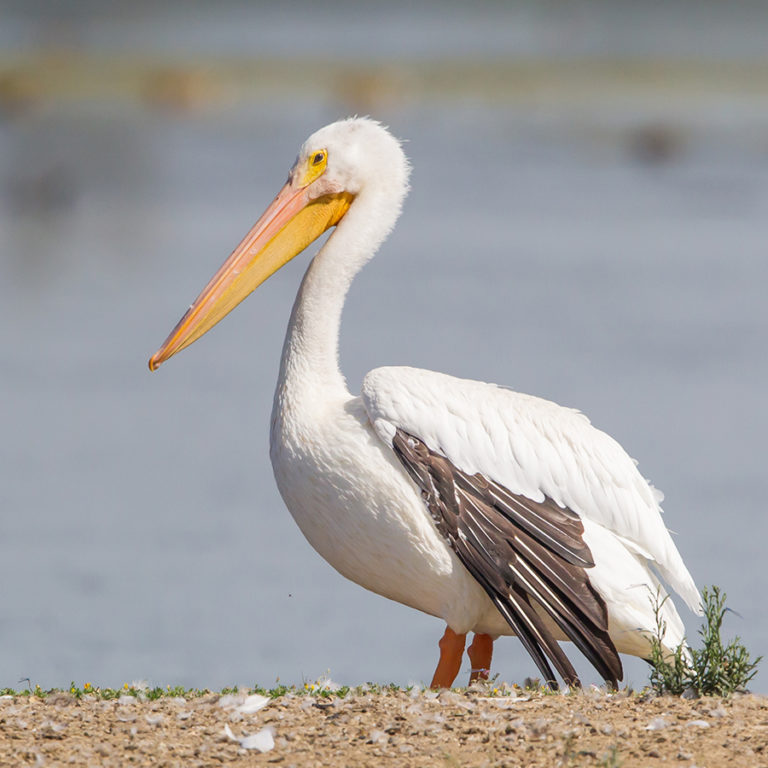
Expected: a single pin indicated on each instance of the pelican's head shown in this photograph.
(335, 165)
(355, 153)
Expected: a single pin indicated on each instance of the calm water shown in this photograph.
(142, 536)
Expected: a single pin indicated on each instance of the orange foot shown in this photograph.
(480, 653)
(451, 651)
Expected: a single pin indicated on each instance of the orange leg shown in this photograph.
(451, 651)
(480, 653)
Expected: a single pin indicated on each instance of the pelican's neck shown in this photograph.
(309, 371)
(311, 350)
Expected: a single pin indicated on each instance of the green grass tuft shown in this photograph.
(321, 689)
(715, 669)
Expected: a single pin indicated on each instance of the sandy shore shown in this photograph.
(386, 727)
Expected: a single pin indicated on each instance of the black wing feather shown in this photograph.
(521, 552)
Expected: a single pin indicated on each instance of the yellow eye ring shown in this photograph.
(314, 167)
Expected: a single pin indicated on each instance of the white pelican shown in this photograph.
(501, 513)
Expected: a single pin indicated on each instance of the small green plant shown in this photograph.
(715, 669)
(669, 674)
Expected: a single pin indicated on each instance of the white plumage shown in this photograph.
(537, 448)
(353, 496)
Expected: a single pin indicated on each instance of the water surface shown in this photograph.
(142, 536)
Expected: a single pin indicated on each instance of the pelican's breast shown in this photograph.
(359, 510)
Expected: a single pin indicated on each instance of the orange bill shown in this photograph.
(285, 229)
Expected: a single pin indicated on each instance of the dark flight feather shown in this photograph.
(523, 553)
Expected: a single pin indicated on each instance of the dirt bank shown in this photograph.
(387, 727)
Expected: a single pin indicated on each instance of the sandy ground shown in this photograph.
(382, 728)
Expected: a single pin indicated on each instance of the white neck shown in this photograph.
(309, 369)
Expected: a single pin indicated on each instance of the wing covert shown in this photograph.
(534, 449)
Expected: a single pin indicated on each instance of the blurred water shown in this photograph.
(344, 28)
(141, 533)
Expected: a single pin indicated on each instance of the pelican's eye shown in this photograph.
(315, 166)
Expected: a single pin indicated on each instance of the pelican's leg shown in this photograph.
(451, 651)
(480, 653)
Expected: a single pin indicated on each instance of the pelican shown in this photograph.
(498, 512)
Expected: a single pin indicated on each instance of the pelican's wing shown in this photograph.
(546, 462)
(518, 550)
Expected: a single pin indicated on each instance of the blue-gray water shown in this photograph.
(595, 257)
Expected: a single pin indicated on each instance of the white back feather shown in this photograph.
(533, 447)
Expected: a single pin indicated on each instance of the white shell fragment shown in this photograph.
(657, 724)
(253, 704)
(261, 741)
(154, 719)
